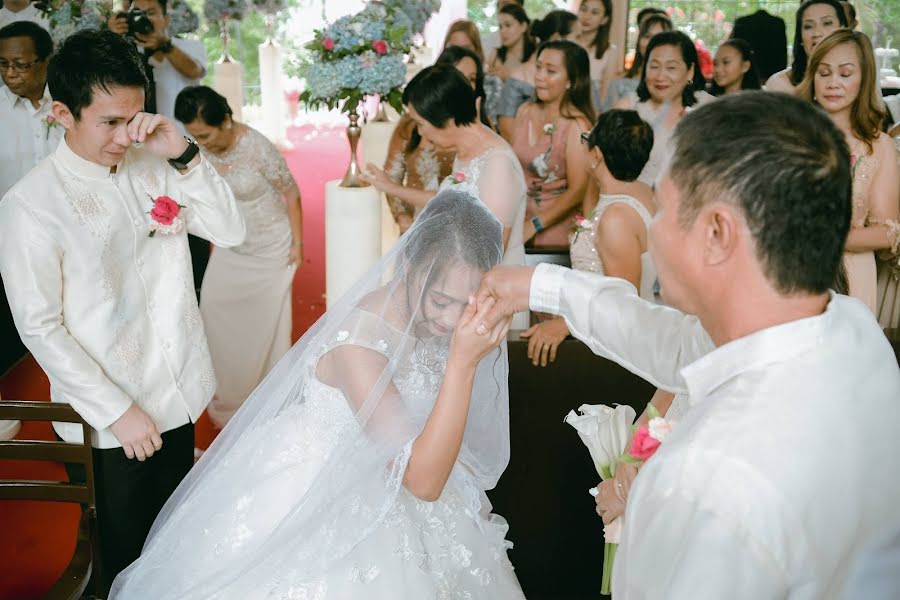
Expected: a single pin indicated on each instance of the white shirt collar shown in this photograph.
(78, 165)
(768, 346)
(14, 99)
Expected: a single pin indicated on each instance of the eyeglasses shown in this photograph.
(17, 66)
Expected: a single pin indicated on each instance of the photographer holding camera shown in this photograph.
(172, 64)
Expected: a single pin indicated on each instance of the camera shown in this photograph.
(138, 21)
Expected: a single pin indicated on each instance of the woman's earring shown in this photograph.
(593, 165)
(228, 126)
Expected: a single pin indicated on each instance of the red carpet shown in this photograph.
(38, 538)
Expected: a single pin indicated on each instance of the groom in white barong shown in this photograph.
(781, 471)
(94, 255)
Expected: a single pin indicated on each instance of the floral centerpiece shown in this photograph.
(68, 16)
(362, 55)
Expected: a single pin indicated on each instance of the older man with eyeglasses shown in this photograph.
(29, 131)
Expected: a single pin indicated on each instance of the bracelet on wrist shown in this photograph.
(537, 223)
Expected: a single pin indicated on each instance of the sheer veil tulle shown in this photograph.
(296, 480)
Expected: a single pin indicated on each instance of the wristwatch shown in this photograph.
(181, 163)
(165, 48)
(538, 225)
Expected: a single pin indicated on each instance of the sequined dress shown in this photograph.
(860, 266)
(246, 295)
(583, 247)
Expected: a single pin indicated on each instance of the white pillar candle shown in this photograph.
(272, 92)
(352, 236)
(228, 81)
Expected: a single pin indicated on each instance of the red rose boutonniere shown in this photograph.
(165, 216)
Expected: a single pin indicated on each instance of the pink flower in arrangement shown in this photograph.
(459, 176)
(380, 46)
(643, 445)
(328, 44)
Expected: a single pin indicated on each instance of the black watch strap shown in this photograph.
(186, 157)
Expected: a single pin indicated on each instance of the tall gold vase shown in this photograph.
(351, 177)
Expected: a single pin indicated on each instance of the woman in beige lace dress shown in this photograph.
(246, 295)
(841, 78)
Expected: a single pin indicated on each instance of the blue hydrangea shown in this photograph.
(381, 74)
(322, 79)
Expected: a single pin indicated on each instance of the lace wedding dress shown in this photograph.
(302, 496)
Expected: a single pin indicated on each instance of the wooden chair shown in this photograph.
(73, 582)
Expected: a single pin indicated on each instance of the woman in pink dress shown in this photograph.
(841, 78)
(547, 141)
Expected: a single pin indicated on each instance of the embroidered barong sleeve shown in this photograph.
(652, 341)
(31, 265)
(213, 213)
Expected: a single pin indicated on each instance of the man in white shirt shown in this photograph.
(94, 256)
(174, 63)
(781, 472)
(30, 132)
(21, 10)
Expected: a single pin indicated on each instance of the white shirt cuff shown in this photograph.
(546, 287)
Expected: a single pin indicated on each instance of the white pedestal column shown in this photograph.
(352, 236)
(228, 81)
(376, 137)
(272, 92)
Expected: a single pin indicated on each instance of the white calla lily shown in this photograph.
(605, 431)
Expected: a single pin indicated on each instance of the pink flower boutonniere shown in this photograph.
(49, 123)
(581, 223)
(165, 216)
(647, 438)
(328, 44)
(456, 178)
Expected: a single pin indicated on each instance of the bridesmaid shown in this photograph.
(514, 63)
(612, 240)
(815, 20)
(595, 20)
(546, 139)
(245, 300)
(842, 79)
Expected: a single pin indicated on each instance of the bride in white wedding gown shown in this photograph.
(358, 468)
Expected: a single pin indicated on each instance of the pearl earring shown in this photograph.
(228, 126)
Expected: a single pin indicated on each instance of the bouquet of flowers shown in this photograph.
(363, 54)
(68, 16)
(606, 432)
(220, 10)
(183, 19)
